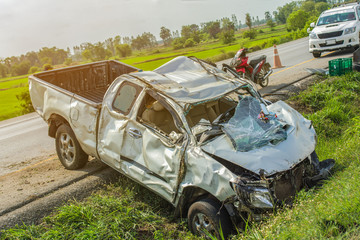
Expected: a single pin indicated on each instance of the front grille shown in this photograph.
(330, 34)
(290, 182)
(326, 45)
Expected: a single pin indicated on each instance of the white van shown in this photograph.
(336, 29)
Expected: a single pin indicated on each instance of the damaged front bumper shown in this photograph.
(255, 198)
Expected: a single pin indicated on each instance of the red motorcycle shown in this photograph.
(257, 70)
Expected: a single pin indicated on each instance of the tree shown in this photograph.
(86, 54)
(284, 11)
(308, 6)
(269, 20)
(297, 20)
(21, 68)
(3, 70)
(212, 28)
(191, 31)
(144, 40)
(165, 35)
(110, 45)
(227, 31)
(57, 56)
(235, 21)
(123, 50)
(320, 7)
(99, 52)
(248, 21)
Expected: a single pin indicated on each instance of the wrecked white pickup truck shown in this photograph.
(201, 138)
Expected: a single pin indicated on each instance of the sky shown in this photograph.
(30, 25)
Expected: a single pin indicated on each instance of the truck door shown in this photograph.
(131, 142)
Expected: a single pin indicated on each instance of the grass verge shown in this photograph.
(126, 210)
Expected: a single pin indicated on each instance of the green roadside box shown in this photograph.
(340, 66)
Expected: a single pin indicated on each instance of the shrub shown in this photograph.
(47, 66)
(250, 34)
(33, 70)
(227, 36)
(25, 102)
(123, 50)
(189, 43)
(178, 43)
(297, 20)
(68, 61)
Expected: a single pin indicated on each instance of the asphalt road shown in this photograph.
(24, 140)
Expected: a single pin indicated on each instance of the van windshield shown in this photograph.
(336, 17)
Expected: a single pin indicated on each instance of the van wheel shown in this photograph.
(68, 149)
(316, 54)
(205, 218)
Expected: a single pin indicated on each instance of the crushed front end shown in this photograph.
(257, 195)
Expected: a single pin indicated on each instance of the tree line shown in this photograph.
(296, 15)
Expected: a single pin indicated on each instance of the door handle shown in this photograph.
(133, 132)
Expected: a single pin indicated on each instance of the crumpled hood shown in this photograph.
(300, 143)
(333, 27)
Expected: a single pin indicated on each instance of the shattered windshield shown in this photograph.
(252, 126)
(337, 17)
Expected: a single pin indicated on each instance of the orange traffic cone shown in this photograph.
(277, 62)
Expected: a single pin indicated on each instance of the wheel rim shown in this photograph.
(67, 148)
(203, 224)
(264, 81)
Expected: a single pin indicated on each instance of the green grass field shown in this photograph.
(9, 104)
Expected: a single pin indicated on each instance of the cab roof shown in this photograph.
(342, 8)
(190, 80)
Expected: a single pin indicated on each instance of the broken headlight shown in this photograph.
(253, 195)
(260, 198)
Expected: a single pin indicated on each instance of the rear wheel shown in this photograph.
(316, 54)
(264, 81)
(207, 218)
(68, 149)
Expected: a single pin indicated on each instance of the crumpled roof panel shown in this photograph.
(186, 80)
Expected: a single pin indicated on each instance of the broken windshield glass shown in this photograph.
(252, 127)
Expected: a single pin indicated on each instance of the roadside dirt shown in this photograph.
(35, 191)
(23, 192)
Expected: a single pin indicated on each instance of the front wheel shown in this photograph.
(316, 54)
(68, 149)
(206, 218)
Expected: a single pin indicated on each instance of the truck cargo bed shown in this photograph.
(90, 81)
(95, 95)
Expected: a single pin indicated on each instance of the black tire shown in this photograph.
(68, 149)
(204, 218)
(316, 54)
(263, 81)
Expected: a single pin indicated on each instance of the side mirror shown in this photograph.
(312, 25)
(308, 30)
